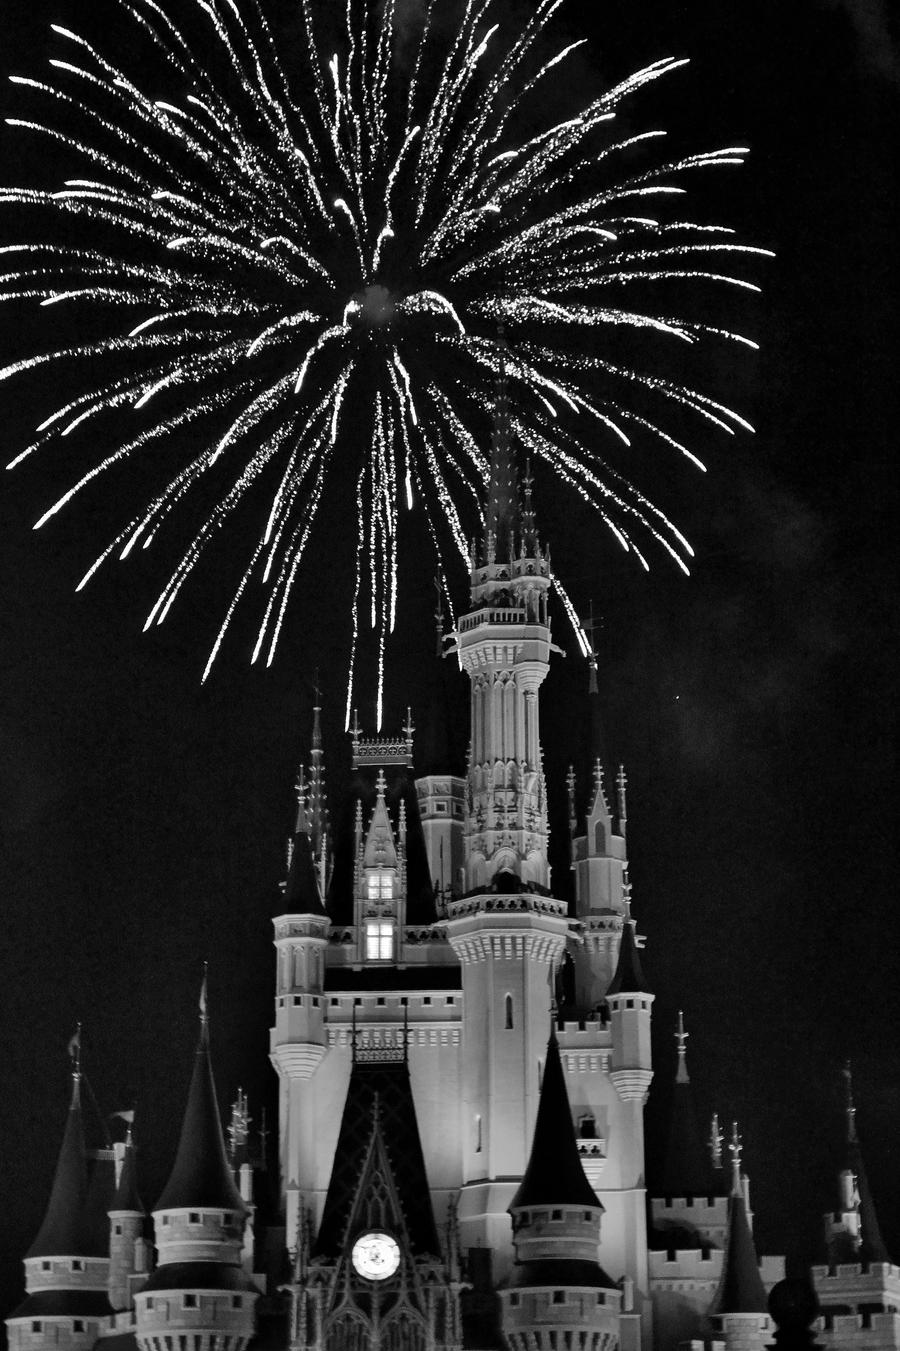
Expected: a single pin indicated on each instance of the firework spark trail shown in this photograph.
(301, 252)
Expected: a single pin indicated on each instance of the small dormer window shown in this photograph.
(379, 941)
(381, 887)
(77, 1264)
(78, 1325)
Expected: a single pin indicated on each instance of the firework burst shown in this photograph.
(301, 260)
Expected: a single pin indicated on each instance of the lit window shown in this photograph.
(379, 941)
(381, 887)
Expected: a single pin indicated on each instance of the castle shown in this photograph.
(463, 1060)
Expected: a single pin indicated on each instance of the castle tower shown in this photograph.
(558, 1294)
(689, 1215)
(629, 1002)
(199, 1291)
(859, 1288)
(317, 800)
(128, 1248)
(506, 930)
(297, 1040)
(503, 644)
(602, 888)
(739, 1312)
(67, 1265)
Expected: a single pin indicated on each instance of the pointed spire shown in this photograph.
(681, 1074)
(529, 543)
(621, 785)
(502, 505)
(686, 1167)
(200, 1175)
(716, 1141)
(735, 1149)
(628, 978)
(438, 617)
(554, 1175)
(126, 1196)
(64, 1231)
(850, 1108)
(302, 894)
(740, 1289)
(573, 815)
(869, 1245)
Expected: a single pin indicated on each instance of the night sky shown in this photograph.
(144, 818)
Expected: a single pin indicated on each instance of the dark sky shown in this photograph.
(143, 818)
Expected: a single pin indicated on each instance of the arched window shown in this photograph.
(509, 1012)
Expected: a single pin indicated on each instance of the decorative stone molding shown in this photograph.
(631, 1084)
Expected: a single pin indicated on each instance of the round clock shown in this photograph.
(375, 1256)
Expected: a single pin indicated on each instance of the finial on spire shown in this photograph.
(850, 1106)
(317, 716)
(203, 1002)
(438, 616)
(355, 729)
(74, 1049)
(409, 728)
(621, 785)
(381, 785)
(681, 1075)
(735, 1149)
(716, 1141)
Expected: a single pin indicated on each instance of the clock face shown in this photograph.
(375, 1256)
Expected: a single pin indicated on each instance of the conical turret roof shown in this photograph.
(100, 1192)
(740, 1289)
(554, 1175)
(629, 978)
(870, 1245)
(201, 1175)
(126, 1195)
(687, 1167)
(301, 890)
(64, 1232)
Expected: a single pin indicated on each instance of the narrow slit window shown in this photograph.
(509, 1012)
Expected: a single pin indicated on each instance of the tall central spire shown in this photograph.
(502, 511)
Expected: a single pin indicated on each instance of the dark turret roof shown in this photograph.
(201, 1175)
(199, 1276)
(629, 978)
(870, 1247)
(379, 1097)
(64, 1232)
(577, 1272)
(687, 1167)
(126, 1195)
(101, 1189)
(64, 1304)
(740, 1289)
(301, 890)
(554, 1175)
